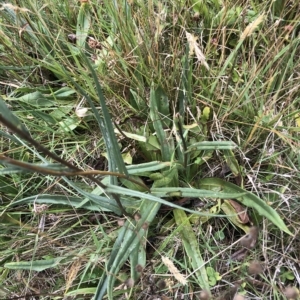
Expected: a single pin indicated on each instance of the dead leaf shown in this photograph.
(241, 211)
(232, 214)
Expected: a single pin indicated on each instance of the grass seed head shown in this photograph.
(121, 222)
(139, 268)
(239, 297)
(137, 216)
(255, 268)
(252, 26)
(173, 269)
(291, 292)
(249, 240)
(129, 282)
(204, 295)
(145, 225)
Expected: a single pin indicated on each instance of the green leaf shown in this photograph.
(138, 258)
(126, 192)
(232, 162)
(83, 291)
(36, 99)
(162, 102)
(191, 248)
(165, 178)
(96, 203)
(136, 137)
(205, 114)
(6, 186)
(29, 167)
(64, 92)
(83, 24)
(193, 193)
(104, 203)
(215, 145)
(159, 119)
(35, 265)
(147, 167)
(132, 185)
(116, 163)
(42, 116)
(12, 170)
(152, 143)
(10, 118)
(213, 276)
(246, 198)
(129, 239)
(69, 124)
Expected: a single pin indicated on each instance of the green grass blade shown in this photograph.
(185, 93)
(103, 283)
(9, 136)
(12, 170)
(51, 169)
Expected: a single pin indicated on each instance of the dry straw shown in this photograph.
(252, 26)
(173, 270)
(194, 47)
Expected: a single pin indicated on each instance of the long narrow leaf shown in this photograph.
(128, 241)
(139, 195)
(36, 265)
(191, 247)
(147, 167)
(98, 203)
(55, 169)
(194, 193)
(9, 117)
(166, 143)
(116, 162)
(83, 24)
(213, 145)
(246, 198)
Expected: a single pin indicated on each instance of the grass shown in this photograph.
(143, 143)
